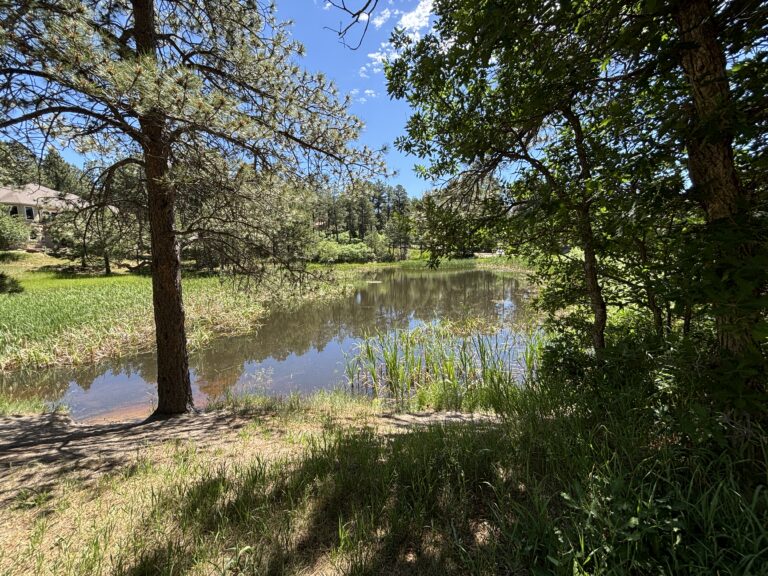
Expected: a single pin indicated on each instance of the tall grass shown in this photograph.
(442, 365)
(76, 321)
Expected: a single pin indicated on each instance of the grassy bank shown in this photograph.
(419, 261)
(61, 318)
(331, 485)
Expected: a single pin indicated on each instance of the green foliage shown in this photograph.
(18, 165)
(379, 244)
(441, 366)
(375, 212)
(58, 174)
(13, 232)
(331, 252)
(542, 133)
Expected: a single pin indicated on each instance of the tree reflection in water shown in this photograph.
(300, 349)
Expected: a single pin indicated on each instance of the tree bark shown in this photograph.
(710, 145)
(713, 171)
(594, 289)
(587, 237)
(174, 390)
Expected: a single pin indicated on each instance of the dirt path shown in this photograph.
(36, 452)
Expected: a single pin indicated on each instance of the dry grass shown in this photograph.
(99, 499)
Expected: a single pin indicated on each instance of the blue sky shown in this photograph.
(359, 72)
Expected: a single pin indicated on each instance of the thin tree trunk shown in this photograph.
(587, 237)
(174, 391)
(107, 267)
(653, 304)
(712, 168)
(687, 317)
(594, 289)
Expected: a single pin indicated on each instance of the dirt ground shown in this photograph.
(37, 451)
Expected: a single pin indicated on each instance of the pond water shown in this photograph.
(299, 350)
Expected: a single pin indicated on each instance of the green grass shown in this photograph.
(444, 366)
(417, 262)
(10, 406)
(60, 319)
(544, 490)
(607, 467)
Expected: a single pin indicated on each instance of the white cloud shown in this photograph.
(370, 93)
(414, 23)
(354, 92)
(363, 17)
(417, 20)
(383, 17)
(327, 6)
(386, 52)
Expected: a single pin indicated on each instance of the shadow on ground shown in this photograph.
(9, 285)
(42, 448)
(359, 502)
(6, 257)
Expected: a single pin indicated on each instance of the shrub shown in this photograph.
(329, 252)
(13, 232)
(379, 245)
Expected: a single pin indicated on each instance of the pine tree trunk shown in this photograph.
(174, 391)
(712, 169)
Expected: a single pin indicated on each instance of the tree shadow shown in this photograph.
(6, 257)
(42, 449)
(9, 285)
(416, 502)
(61, 272)
(170, 556)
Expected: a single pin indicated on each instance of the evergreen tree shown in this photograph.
(155, 83)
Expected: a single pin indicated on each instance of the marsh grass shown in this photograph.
(444, 365)
(11, 405)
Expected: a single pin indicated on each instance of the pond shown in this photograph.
(298, 350)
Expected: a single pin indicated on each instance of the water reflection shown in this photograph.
(295, 350)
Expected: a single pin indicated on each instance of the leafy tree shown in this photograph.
(399, 233)
(17, 164)
(591, 112)
(60, 175)
(378, 242)
(155, 83)
(483, 107)
(13, 232)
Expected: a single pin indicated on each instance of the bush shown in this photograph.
(330, 252)
(13, 232)
(379, 245)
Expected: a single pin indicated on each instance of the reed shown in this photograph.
(441, 365)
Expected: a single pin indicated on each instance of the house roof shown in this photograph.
(37, 195)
